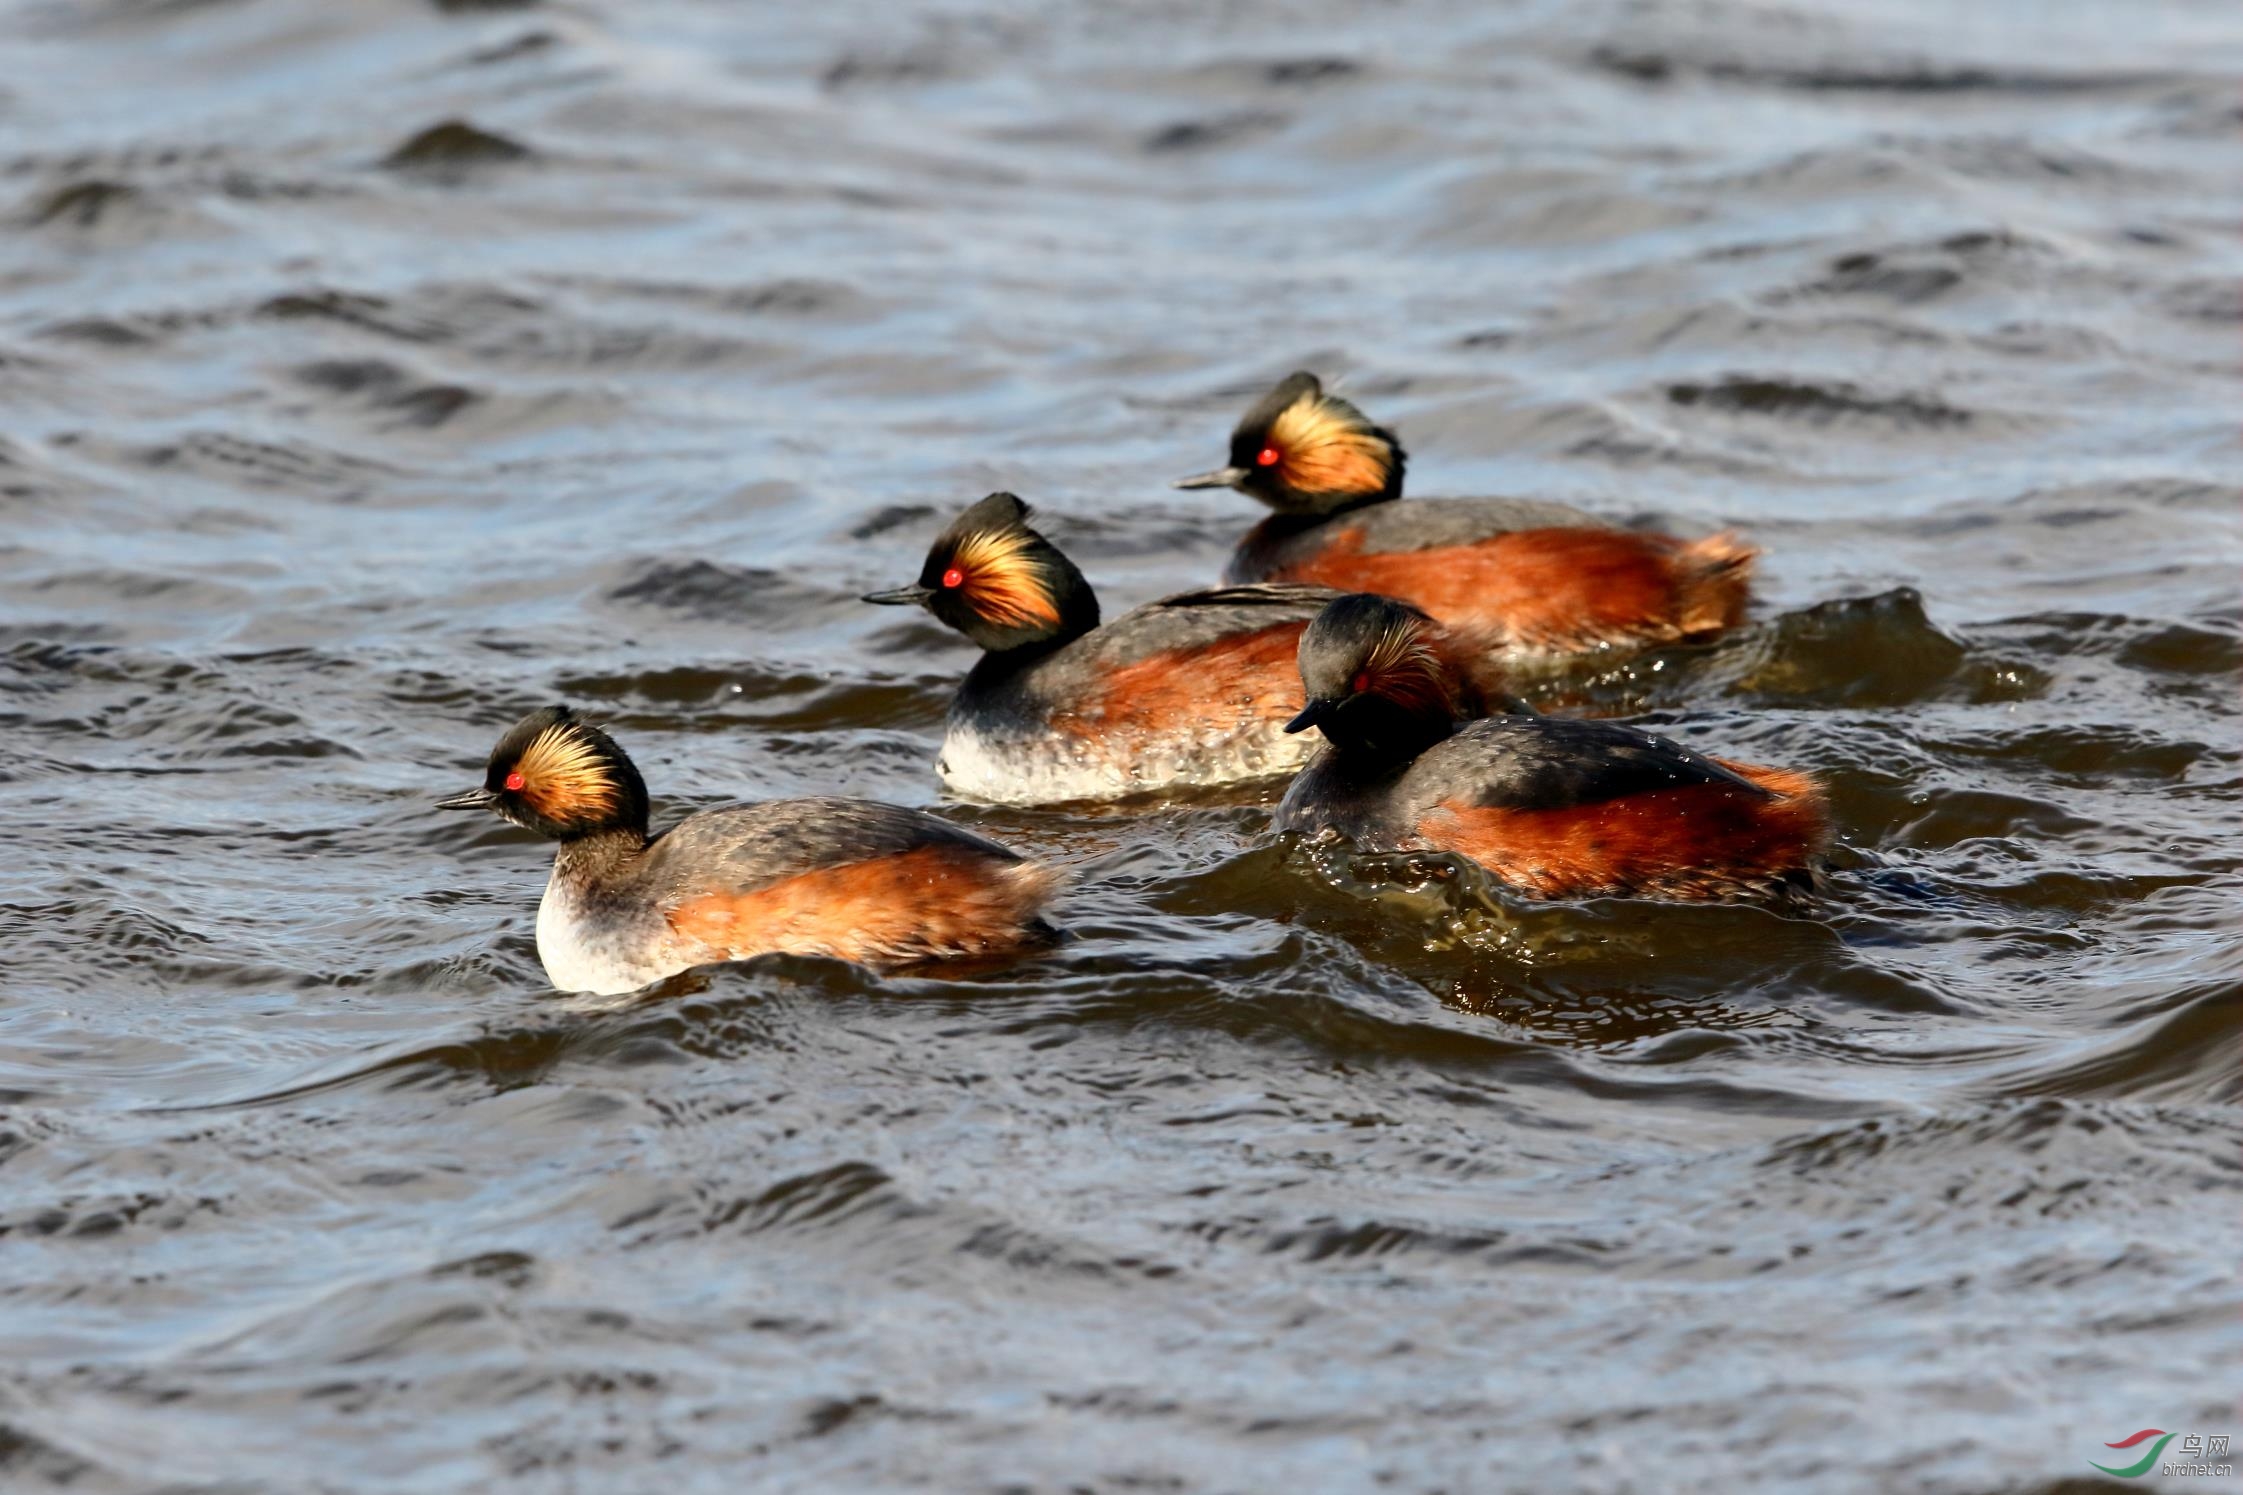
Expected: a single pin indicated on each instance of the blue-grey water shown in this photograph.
(372, 371)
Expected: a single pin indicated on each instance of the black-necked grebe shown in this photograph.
(1518, 576)
(1552, 808)
(850, 878)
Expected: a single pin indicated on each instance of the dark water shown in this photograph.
(375, 372)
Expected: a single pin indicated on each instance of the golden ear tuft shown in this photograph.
(1325, 446)
(565, 776)
(1406, 666)
(1001, 582)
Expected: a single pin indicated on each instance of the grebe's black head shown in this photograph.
(1302, 451)
(559, 777)
(1376, 679)
(999, 582)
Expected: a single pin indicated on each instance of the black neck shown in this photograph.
(1380, 737)
(591, 857)
(1351, 504)
(1276, 529)
(999, 665)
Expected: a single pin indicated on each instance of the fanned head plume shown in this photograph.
(1302, 451)
(561, 778)
(999, 582)
(1376, 677)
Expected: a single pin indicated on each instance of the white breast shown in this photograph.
(582, 951)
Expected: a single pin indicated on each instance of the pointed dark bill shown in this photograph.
(912, 596)
(1221, 477)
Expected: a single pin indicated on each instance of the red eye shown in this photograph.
(953, 577)
(515, 781)
(1269, 456)
(1361, 684)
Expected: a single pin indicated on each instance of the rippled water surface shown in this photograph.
(373, 372)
